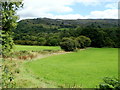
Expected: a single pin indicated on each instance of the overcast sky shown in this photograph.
(69, 9)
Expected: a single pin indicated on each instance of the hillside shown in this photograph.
(50, 32)
(53, 25)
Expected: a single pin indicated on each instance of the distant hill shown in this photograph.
(54, 25)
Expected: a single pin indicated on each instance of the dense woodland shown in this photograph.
(50, 32)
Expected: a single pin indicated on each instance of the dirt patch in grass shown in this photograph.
(40, 56)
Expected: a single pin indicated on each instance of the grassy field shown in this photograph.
(35, 48)
(85, 68)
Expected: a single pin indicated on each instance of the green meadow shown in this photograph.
(85, 68)
(35, 48)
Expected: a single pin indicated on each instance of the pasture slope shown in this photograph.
(84, 68)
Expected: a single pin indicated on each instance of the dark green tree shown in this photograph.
(96, 35)
(53, 39)
(68, 44)
(83, 41)
(41, 41)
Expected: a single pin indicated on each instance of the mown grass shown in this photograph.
(85, 68)
(35, 48)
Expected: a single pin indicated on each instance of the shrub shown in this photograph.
(41, 41)
(109, 42)
(83, 41)
(110, 84)
(7, 77)
(68, 44)
(53, 42)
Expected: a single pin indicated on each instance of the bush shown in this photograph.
(41, 41)
(53, 42)
(68, 44)
(7, 75)
(110, 84)
(83, 41)
(109, 42)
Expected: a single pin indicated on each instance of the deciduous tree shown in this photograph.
(9, 18)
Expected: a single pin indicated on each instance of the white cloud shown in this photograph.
(108, 13)
(112, 5)
(69, 16)
(34, 8)
(43, 8)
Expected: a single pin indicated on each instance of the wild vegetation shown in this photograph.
(110, 83)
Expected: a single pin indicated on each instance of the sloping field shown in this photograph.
(85, 68)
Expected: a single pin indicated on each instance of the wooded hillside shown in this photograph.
(45, 31)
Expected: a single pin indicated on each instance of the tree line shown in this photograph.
(100, 37)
